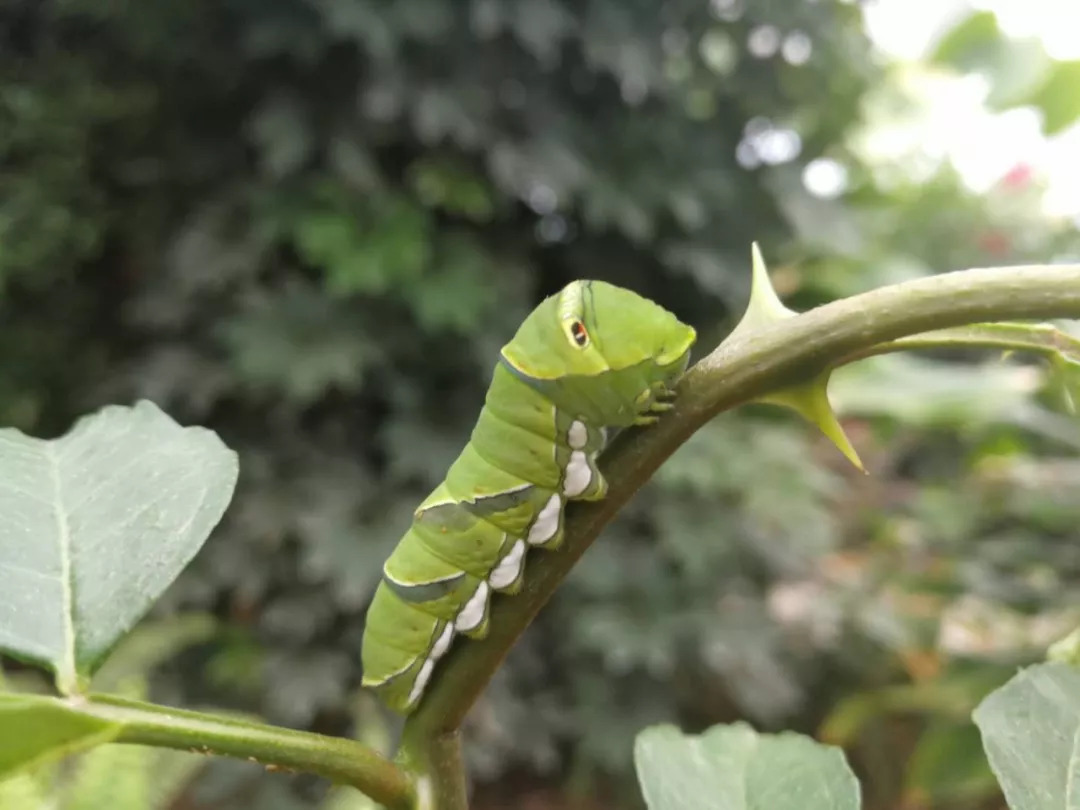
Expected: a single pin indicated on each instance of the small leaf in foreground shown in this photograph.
(1031, 732)
(96, 524)
(735, 768)
(36, 729)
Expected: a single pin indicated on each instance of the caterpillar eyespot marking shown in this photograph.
(579, 333)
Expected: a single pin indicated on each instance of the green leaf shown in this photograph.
(97, 523)
(1059, 97)
(1066, 650)
(460, 290)
(343, 797)
(298, 343)
(128, 776)
(1015, 67)
(735, 768)
(452, 187)
(964, 45)
(1031, 732)
(948, 765)
(1020, 66)
(1065, 378)
(22, 791)
(39, 729)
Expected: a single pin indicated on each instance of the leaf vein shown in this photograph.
(66, 670)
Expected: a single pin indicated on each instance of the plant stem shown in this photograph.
(340, 760)
(1039, 338)
(741, 369)
(440, 761)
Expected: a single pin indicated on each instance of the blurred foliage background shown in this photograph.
(310, 224)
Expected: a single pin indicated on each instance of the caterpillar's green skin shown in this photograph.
(593, 356)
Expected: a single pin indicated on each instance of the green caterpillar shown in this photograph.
(592, 357)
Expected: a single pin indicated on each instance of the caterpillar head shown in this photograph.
(592, 328)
